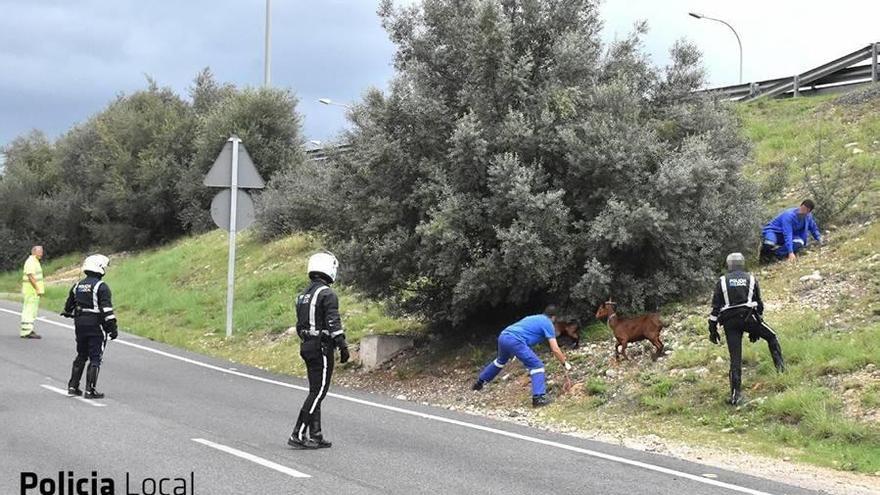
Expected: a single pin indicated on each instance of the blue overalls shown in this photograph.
(517, 340)
(787, 233)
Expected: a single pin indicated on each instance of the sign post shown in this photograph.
(233, 171)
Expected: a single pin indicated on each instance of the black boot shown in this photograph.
(91, 381)
(540, 400)
(315, 431)
(776, 354)
(298, 438)
(735, 390)
(768, 254)
(75, 377)
(478, 385)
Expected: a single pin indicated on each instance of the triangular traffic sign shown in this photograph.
(220, 174)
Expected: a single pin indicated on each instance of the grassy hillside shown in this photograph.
(177, 295)
(824, 410)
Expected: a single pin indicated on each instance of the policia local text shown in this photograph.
(67, 483)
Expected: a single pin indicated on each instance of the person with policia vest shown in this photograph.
(89, 304)
(319, 326)
(517, 340)
(787, 234)
(738, 307)
(32, 289)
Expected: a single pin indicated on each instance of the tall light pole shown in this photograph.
(268, 52)
(701, 16)
(328, 101)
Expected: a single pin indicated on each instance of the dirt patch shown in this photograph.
(447, 385)
(851, 389)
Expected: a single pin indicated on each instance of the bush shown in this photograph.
(266, 121)
(131, 175)
(515, 161)
(836, 174)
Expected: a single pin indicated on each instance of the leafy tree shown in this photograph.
(265, 120)
(131, 175)
(29, 179)
(125, 162)
(515, 160)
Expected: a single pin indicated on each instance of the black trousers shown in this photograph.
(90, 346)
(734, 328)
(318, 356)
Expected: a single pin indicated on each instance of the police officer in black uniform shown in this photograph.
(320, 328)
(90, 307)
(737, 305)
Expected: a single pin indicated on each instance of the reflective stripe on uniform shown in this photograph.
(536, 371)
(724, 290)
(713, 318)
(314, 405)
(337, 333)
(497, 364)
(751, 288)
(313, 330)
(95, 297)
(111, 317)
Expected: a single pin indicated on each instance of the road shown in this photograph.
(222, 429)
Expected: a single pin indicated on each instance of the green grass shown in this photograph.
(798, 414)
(177, 294)
(10, 282)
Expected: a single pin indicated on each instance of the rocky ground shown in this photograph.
(449, 387)
(431, 374)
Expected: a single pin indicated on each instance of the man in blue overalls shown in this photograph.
(517, 340)
(787, 234)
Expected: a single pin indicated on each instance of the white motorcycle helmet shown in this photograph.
(325, 264)
(96, 263)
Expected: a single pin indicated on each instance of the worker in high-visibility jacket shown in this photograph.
(32, 289)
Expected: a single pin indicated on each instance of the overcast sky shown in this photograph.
(63, 60)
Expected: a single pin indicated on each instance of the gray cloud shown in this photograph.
(62, 61)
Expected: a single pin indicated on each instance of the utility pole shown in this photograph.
(268, 51)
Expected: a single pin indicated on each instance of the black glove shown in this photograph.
(340, 343)
(753, 337)
(111, 329)
(67, 315)
(713, 333)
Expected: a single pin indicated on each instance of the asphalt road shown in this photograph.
(222, 427)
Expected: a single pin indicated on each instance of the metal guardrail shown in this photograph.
(321, 153)
(836, 75)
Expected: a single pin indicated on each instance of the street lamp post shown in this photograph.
(328, 101)
(701, 16)
(268, 47)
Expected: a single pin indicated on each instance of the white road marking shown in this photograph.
(250, 457)
(441, 419)
(64, 393)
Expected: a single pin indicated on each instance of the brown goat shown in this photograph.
(642, 327)
(569, 329)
